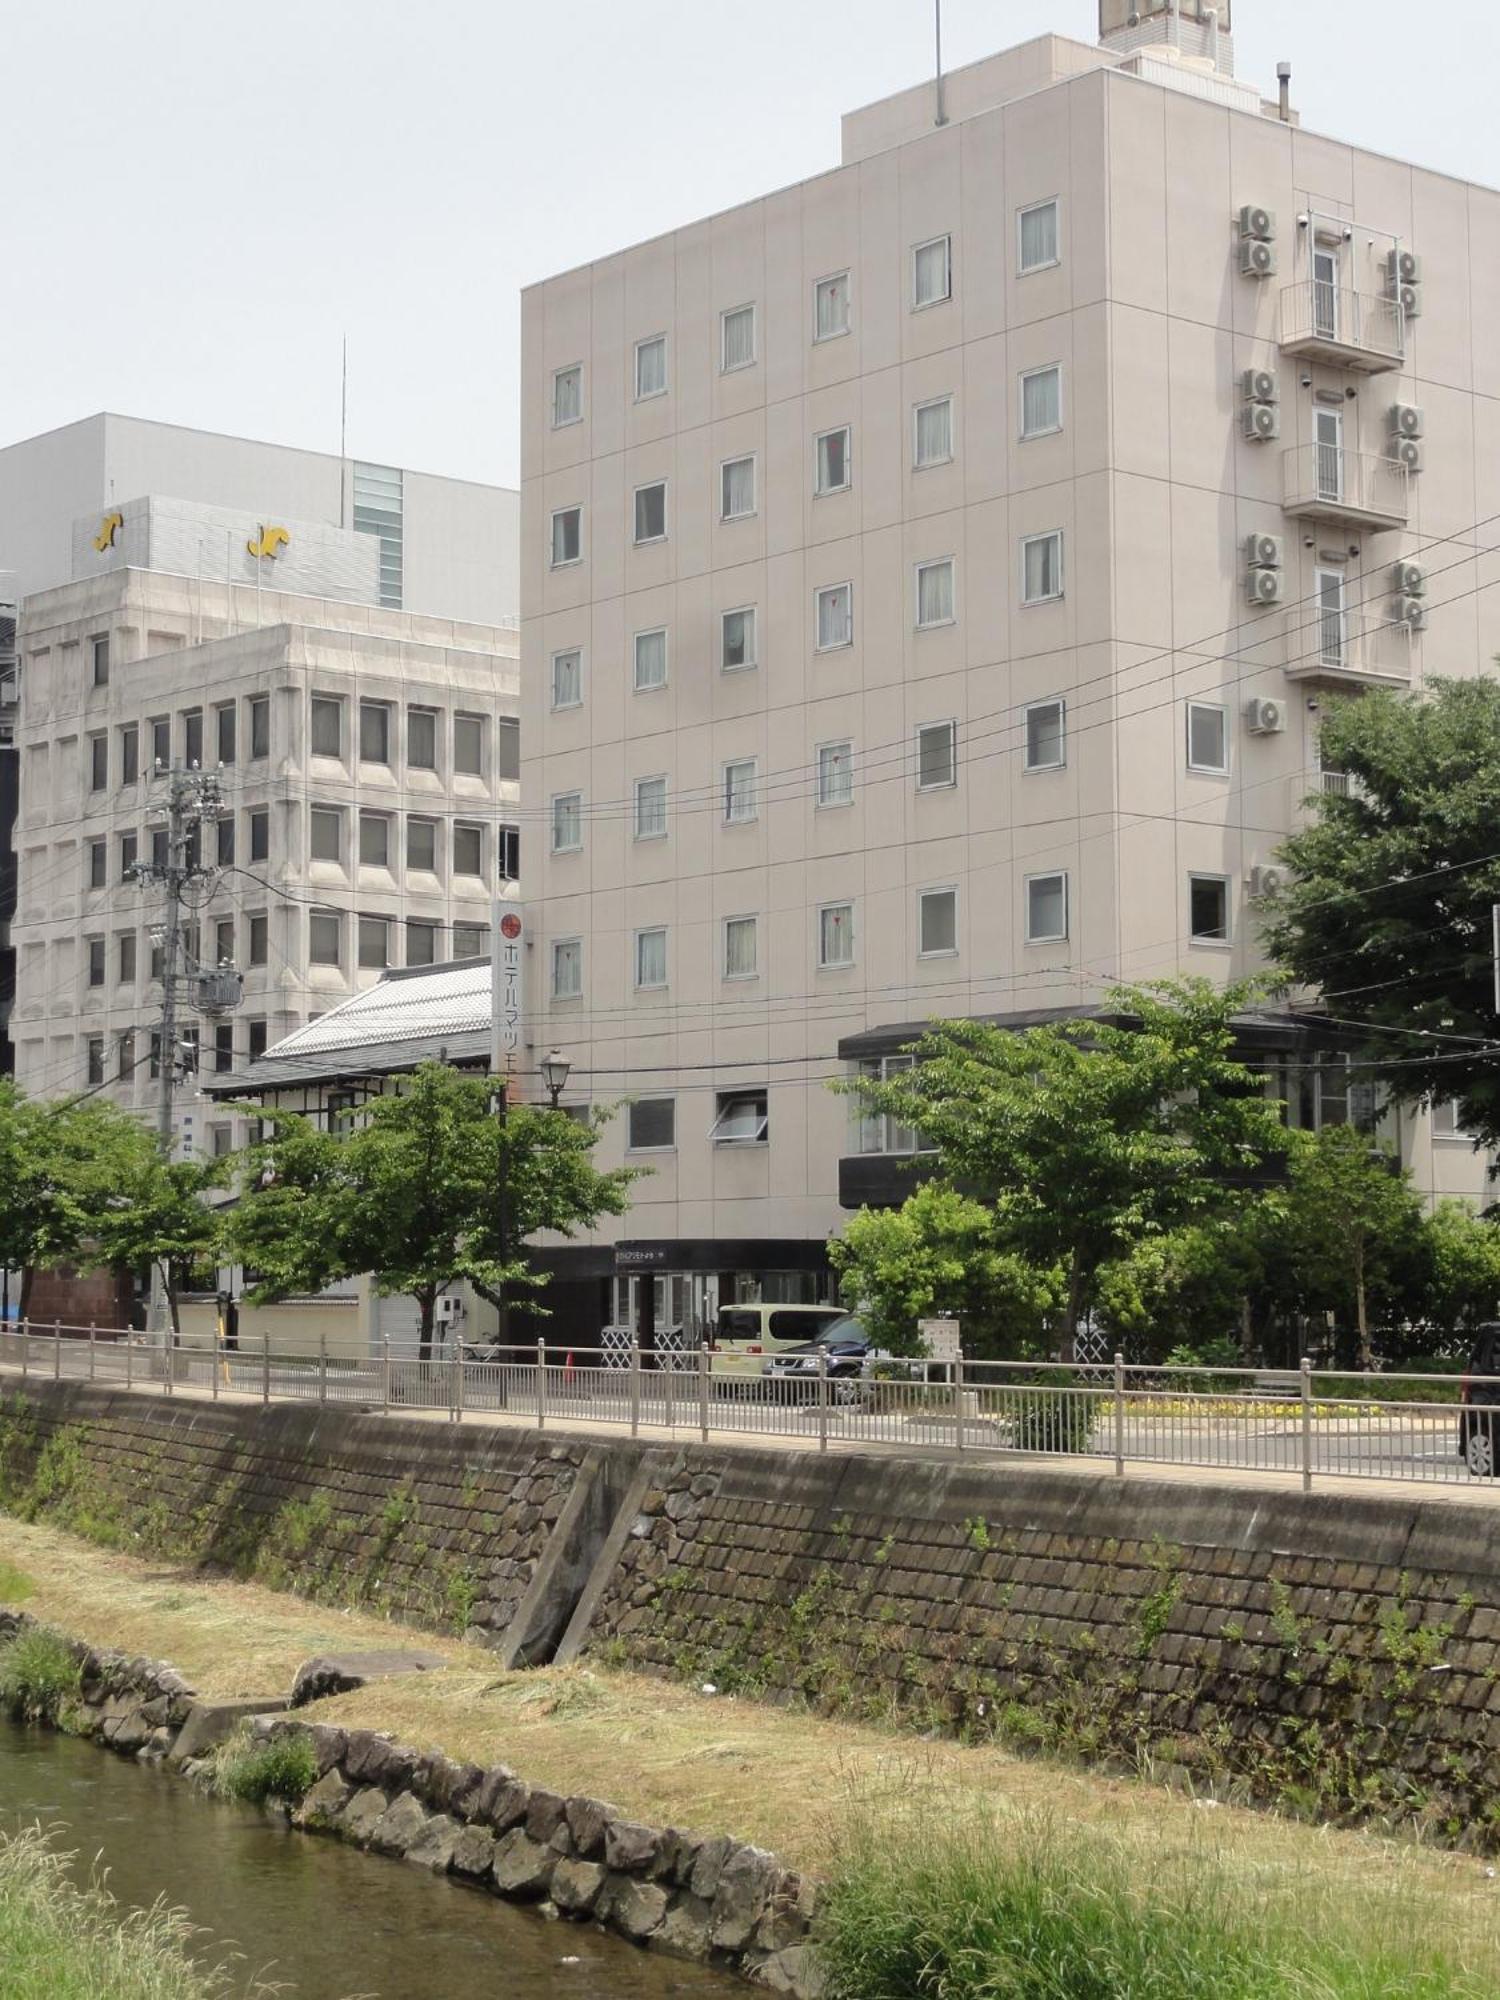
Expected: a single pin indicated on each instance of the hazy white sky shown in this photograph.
(201, 196)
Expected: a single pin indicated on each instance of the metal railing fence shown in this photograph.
(1308, 1424)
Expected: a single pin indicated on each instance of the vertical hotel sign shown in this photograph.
(509, 996)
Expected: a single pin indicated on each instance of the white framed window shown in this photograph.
(567, 395)
(567, 678)
(741, 947)
(835, 935)
(651, 512)
(651, 808)
(1208, 909)
(736, 338)
(567, 536)
(741, 1118)
(1038, 237)
(736, 489)
(1331, 597)
(831, 461)
(935, 593)
(937, 756)
(567, 822)
(651, 958)
(650, 659)
(937, 923)
(737, 639)
(1046, 908)
(931, 272)
(1208, 737)
(1045, 726)
(651, 1125)
(567, 968)
(835, 774)
(650, 367)
(1447, 1121)
(1041, 401)
(741, 790)
(932, 432)
(1042, 567)
(831, 306)
(835, 616)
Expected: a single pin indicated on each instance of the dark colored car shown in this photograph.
(849, 1350)
(1479, 1416)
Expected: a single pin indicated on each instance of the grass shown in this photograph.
(15, 1585)
(39, 1676)
(253, 1772)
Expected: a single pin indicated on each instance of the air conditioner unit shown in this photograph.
(1260, 385)
(1264, 717)
(1409, 578)
(1257, 224)
(1257, 259)
(1411, 301)
(1412, 613)
(1263, 586)
(1408, 452)
(1263, 551)
(1405, 420)
(1403, 267)
(1262, 422)
(1266, 881)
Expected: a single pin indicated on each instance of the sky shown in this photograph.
(201, 201)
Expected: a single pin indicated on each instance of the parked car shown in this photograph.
(745, 1335)
(844, 1345)
(1479, 1410)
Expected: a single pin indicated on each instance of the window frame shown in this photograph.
(319, 704)
(568, 368)
(1031, 375)
(1023, 269)
(425, 926)
(1223, 883)
(842, 332)
(469, 719)
(821, 591)
(559, 946)
(574, 653)
(1029, 880)
(950, 783)
(1028, 709)
(98, 760)
(647, 829)
(384, 709)
(557, 799)
(637, 539)
(557, 514)
(726, 1103)
(97, 875)
(649, 395)
(467, 827)
(731, 764)
(726, 314)
(336, 919)
(1052, 596)
(422, 713)
(746, 666)
(919, 570)
(429, 821)
(924, 896)
(260, 710)
(130, 752)
(728, 465)
(837, 964)
(846, 432)
(638, 939)
(322, 816)
(365, 923)
(918, 463)
(99, 661)
(821, 803)
(945, 237)
(751, 917)
(632, 1145)
(259, 816)
(1193, 706)
(637, 685)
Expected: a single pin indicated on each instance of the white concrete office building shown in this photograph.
(931, 574)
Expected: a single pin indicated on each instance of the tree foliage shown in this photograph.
(61, 1162)
(157, 1214)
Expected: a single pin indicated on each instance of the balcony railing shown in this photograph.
(1328, 322)
(1358, 648)
(1356, 489)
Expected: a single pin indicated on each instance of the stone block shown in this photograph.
(740, 1899)
(209, 1724)
(576, 1885)
(326, 1800)
(338, 1673)
(503, 1799)
(587, 1819)
(708, 1866)
(473, 1852)
(522, 1867)
(400, 1826)
(635, 1909)
(545, 1813)
(630, 1848)
(363, 1814)
(434, 1846)
(687, 1927)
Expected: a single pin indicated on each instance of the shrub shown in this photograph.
(39, 1675)
(1051, 1416)
(274, 1767)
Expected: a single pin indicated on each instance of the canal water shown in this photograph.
(325, 1921)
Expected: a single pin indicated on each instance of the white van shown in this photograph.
(744, 1336)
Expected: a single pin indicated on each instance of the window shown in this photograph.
(224, 941)
(223, 1048)
(99, 647)
(1045, 725)
(651, 367)
(225, 718)
(567, 536)
(831, 470)
(220, 1140)
(255, 1039)
(125, 1051)
(567, 396)
(260, 725)
(737, 338)
(835, 616)
(1046, 908)
(1037, 236)
(325, 938)
(1207, 737)
(737, 640)
(374, 732)
(158, 963)
(326, 730)
(98, 762)
(879, 1133)
(260, 834)
(130, 753)
(651, 1124)
(935, 593)
(421, 942)
(158, 847)
(1447, 1120)
(1041, 401)
(932, 432)
(1333, 623)
(421, 739)
(831, 306)
(374, 942)
(567, 822)
(94, 1059)
(650, 808)
(1208, 909)
(740, 947)
(471, 940)
(374, 840)
(95, 948)
(508, 852)
(98, 864)
(224, 841)
(1041, 567)
(650, 660)
(740, 801)
(937, 756)
(258, 925)
(325, 833)
(129, 850)
(154, 1065)
(468, 849)
(937, 923)
(567, 969)
(468, 746)
(161, 742)
(836, 934)
(931, 272)
(650, 958)
(651, 512)
(736, 489)
(740, 1118)
(835, 774)
(192, 738)
(125, 958)
(567, 679)
(421, 844)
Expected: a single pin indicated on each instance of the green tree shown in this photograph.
(1195, 1286)
(1461, 1272)
(157, 1214)
(1388, 907)
(1084, 1135)
(61, 1161)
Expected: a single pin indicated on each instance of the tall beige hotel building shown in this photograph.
(932, 575)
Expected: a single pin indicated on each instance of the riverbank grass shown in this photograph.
(15, 1585)
(39, 1676)
(284, 1768)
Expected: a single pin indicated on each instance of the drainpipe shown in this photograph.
(1284, 78)
(1174, 7)
(1212, 18)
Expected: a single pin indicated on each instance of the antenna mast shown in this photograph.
(941, 117)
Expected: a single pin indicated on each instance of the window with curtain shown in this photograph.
(739, 947)
(738, 336)
(1041, 401)
(651, 957)
(835, 774)
(650, 367)
(835, 616)
(567, 968)
(1038, 236)
(650, 808)
(933, 432)
(567, 678)
(831, 306)
(935, 592)
(738, 634)
(1041, 568)
(1046, 908)
(736, 488)
(836, 934)
(567, 395)
(937, 756)
(932, 272)
(740, 789)
(832, 475)
(937, 923)
(567, 822)
(650, 660)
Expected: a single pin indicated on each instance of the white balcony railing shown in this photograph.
(1332, 322)
(1361, 648)
(1328, 482)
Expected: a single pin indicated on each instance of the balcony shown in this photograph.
(1348, 329)
(1352, 489)
(1338, 648)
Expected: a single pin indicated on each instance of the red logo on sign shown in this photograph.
(510, 927)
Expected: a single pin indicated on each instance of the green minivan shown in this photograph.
(745, 1336)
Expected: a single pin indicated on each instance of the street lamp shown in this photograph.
(555, 1069)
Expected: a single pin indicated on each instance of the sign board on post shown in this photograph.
(508, 965)
(940, 1337)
